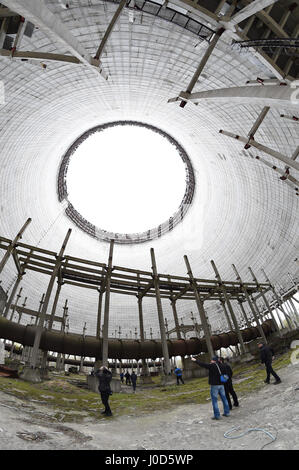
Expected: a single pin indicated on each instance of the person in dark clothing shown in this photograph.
(267, 355)
(228, 386)
(104, 375)
(121, 375)
(215, 369)
(128, 378)
(134, 380)
(179, 375)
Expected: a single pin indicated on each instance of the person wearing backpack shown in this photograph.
(228, 386)
(217, 373)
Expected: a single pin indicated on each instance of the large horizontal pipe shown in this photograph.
(90, 346)
(86, 363)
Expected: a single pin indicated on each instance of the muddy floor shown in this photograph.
(268, 419)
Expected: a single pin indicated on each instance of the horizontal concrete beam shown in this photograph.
(276, 95)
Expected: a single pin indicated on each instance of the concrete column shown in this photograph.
(19, 319)
(12, 295)
(106, 308)
(59, 360)
(39, 329)
(292, 313)
(265, 301)
(99, 317)
(141, 332)
(13, 244)
(201, 310)
(248, 324)
(230, 326)
(278, 300)
(250, 305)
(294, 309)
(228, 303)
(160, 315)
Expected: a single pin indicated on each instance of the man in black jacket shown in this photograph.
(104, 375)
(228, 386)
(215, 369)
(267, 355)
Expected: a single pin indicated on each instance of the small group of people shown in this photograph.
(131, 379)
(220, 380)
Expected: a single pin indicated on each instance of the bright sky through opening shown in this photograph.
(126, 179)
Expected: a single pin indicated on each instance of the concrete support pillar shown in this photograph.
(228, 303)
(278, 300)
(19, 319)
(292, 313)
(60, 359)
(12, 295)
(230, 326)
(167, 367)
(248, 324)
(200, 307)
(265, 300)
(106, 308)
(39, 329)
(13, 244)
(294, 309)
(15, 304)
(99, 317)
(141, 332)
(261, 331)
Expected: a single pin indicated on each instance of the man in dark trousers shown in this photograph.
(134, 380)
(179, 375)
(128, 378)
(215, 369)
(267, 355)
(228, 386)
(104, 375)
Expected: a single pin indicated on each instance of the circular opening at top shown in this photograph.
(131, 179)
(126, 179)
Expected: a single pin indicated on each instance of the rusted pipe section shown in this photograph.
(90, 346)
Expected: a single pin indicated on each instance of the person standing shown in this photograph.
(179, 375)
(228, 386)
(215, 369)
(128, 378)
(104, 375)
(267, 355)
(121, 375)
(134, 380)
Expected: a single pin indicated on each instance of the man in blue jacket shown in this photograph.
(217, 388)
(179, 375)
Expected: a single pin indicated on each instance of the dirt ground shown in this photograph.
(268, 419)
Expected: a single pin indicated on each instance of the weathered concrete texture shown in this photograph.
(275, 409)
(30, 374)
